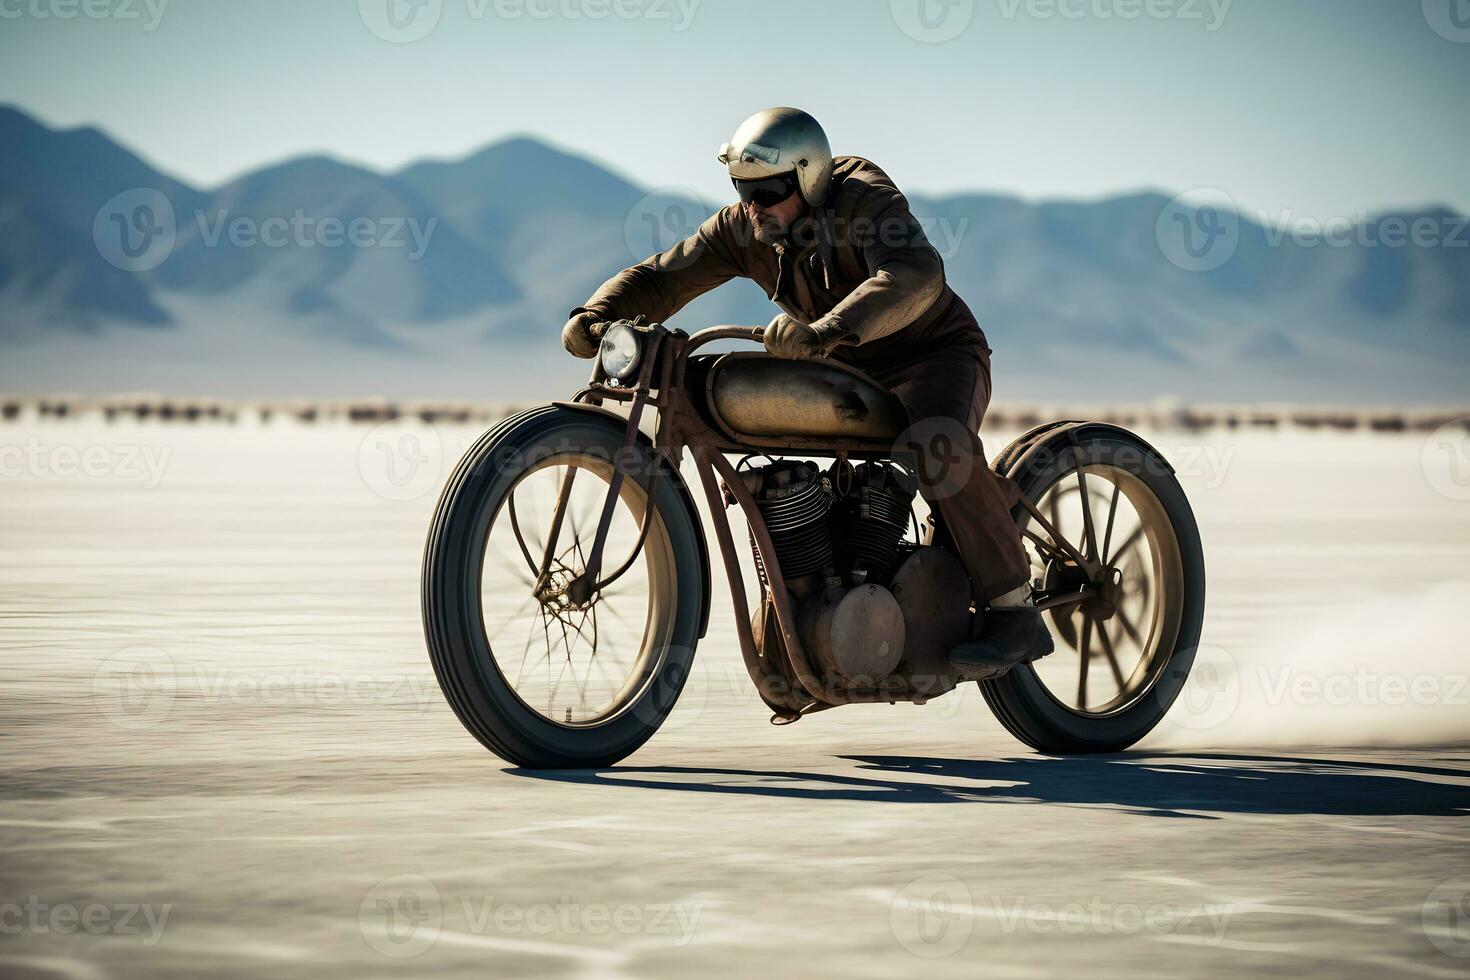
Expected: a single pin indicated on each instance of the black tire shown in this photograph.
(1020, 700)
(472, 681)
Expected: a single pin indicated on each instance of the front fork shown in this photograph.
(583, 590)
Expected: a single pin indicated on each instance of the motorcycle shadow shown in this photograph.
(1160, 784)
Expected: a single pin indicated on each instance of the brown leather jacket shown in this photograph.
(859, 267)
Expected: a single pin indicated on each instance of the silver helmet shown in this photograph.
(781, 141)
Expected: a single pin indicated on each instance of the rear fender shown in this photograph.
(1048, 440)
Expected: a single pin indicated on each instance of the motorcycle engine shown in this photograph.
(869, 522)
(837, 534)
(794, 499)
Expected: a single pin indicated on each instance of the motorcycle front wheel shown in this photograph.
(542, 677)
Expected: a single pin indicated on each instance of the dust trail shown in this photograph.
(1391, 672)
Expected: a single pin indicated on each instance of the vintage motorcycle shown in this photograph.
(566, 578)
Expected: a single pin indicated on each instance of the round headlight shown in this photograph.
(620, 350)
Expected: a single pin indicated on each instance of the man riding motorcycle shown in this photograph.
(833, 243)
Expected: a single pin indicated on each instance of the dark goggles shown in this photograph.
(766, 192)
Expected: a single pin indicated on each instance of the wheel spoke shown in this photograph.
(515, 526)
(1112, 514)
(1129, 628)
(513, 566)
(1107, 643)
(1085, 651)
(526, 652)
(563, 504)
(1048, 550)
(1089, 532)
(511, 619)
(622, 619)
(1131, 540)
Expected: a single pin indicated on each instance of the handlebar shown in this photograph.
(730, 331)
(726, 331)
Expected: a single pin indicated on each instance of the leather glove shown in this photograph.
(582, 336)
(790, 338)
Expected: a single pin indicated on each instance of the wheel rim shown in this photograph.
(1113, 649)
(576, 666)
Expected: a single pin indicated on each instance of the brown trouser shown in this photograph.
(946, 394)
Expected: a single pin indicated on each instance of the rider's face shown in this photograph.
(772, 222)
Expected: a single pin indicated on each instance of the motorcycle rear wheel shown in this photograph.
(1119, 666)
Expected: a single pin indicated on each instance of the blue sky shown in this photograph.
(1315, 108)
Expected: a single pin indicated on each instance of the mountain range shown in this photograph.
(451, 278)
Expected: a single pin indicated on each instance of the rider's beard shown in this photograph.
(768, 228)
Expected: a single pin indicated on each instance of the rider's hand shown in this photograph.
(582, 336)
(790, 338)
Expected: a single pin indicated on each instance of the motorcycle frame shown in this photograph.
(681, 427)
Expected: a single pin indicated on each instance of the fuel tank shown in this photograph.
(758, 396)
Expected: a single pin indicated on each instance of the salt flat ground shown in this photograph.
(287, 794)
